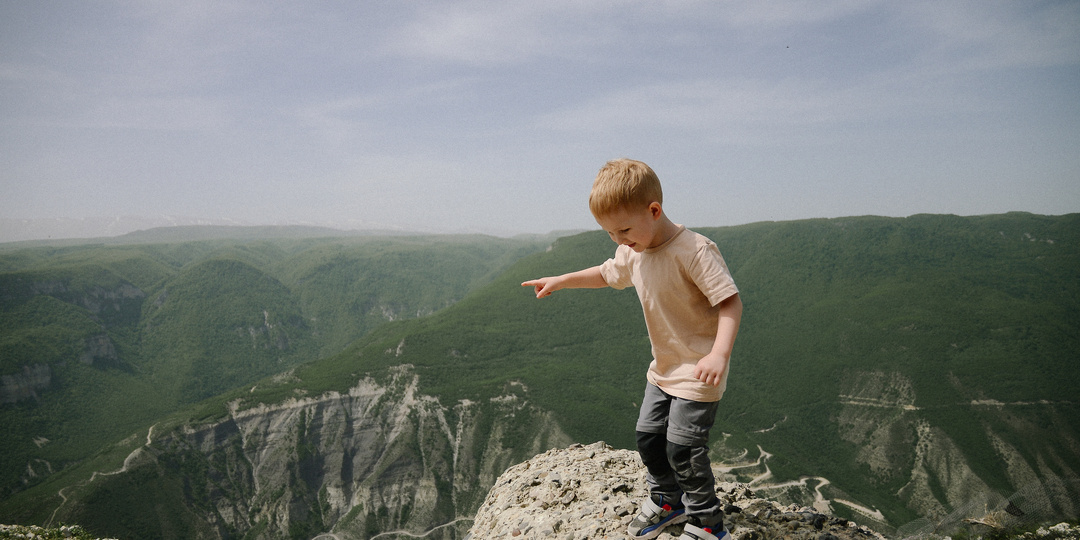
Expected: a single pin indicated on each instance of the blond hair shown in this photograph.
(624, 183)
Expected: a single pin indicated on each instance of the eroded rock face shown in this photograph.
(380, 458)
(25, 384)
(588, 492)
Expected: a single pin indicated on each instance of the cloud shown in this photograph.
(991, 35)
(790, 13)
(487, 33)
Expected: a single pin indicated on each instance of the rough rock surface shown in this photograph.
(588, 492)
(33, 532)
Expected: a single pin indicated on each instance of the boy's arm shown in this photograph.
(712, 367)
(589, 278)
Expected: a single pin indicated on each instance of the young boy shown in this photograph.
(692, 311)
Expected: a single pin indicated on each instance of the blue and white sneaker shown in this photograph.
(694, 531)
(655, 515)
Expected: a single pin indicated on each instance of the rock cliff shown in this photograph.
(589, 492)
(25, 384)
(381, 457)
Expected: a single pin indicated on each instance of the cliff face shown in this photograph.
(381, 457)
(593, 491)
(26, 384)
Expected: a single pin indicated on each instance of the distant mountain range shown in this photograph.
(908, 373)
(21, 230)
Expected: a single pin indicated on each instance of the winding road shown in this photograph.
(127, 462)
(821, 504)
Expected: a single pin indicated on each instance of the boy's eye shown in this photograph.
(625, 231)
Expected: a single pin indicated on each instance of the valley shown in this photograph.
(905, 373)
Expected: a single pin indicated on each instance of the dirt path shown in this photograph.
(762, 460)
(127, 462)
(821, 504)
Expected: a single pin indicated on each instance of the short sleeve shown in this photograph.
(711, 275)
(616, 271)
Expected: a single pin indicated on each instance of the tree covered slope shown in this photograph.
(99, 340)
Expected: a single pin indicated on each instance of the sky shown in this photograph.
(494, 116)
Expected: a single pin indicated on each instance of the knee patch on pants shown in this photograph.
(652, 447)
(690, 463)
(694, 474)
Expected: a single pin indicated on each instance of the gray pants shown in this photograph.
(673, 439)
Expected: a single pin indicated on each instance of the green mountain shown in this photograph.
(100, 340)
(906, 373)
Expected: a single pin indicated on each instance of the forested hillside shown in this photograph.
(903, 372)
(99, 340)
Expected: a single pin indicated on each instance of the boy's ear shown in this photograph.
(656, 210)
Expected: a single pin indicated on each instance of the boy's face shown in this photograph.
(637, 228)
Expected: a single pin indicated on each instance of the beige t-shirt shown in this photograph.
(680, 284)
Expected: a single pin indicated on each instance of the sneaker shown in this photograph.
(694, 531)
(654, 516)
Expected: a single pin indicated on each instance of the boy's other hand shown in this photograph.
(711, 369)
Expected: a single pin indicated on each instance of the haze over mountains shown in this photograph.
(21, 230)
(905, 369)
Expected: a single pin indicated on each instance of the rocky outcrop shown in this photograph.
(32, 379)
(33, 532)
(942, 483)
(588, 492)
(100, 351)
(25, 384)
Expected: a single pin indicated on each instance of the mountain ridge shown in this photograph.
(115, 337)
